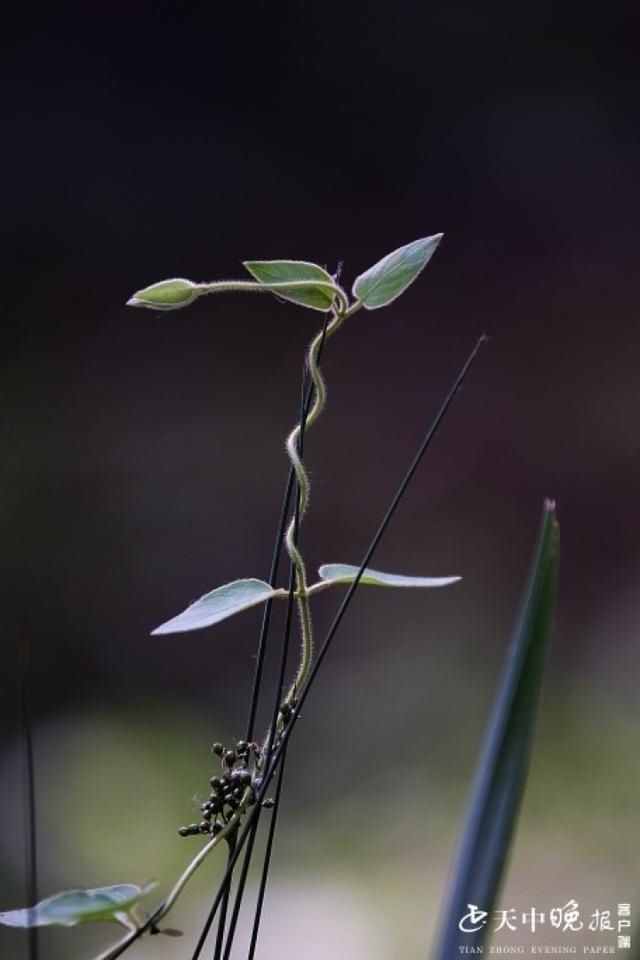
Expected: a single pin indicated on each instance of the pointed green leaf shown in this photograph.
(391, 276)
(78, 906)
(166, 295)
(504, 762)
(346, 573)
(219, 604)
(318, 296)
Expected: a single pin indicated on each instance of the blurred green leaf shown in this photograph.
(78, 906)
(391, 276)
(346, 573)
(318, 296)
(219, 604)
(504, 762)
(166, 295)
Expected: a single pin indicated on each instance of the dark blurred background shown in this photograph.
(143, 458)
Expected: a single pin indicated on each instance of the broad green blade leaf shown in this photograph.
(166, 295)
(221, 603)
(78, 906)
(346, 573)
(391, 276)
(270, 272)
(504, 761)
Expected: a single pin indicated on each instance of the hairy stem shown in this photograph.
(254, 286)
(302, 595)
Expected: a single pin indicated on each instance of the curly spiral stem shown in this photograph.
(319, 399)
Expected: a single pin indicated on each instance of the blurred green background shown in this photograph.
(143, 455)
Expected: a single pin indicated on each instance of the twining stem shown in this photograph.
(302, 589)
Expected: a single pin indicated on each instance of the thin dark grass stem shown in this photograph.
(266, 619)
(263, 875)
(274, 813)
(222, 920)
(267, 862)
(246, 863)
(226, 880)
(30, 790)
(254, 811)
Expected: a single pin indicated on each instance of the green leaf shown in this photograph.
(391, 276)
(504, 761)
(346, 573)
(78, 906)
(219, 604)
(166, 295)
(318, 296)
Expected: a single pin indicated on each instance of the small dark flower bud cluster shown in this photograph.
(227, 789)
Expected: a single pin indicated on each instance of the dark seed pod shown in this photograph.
(229, 758)
(215, 782)
(184, 832)
(215, 805)
(242, 746)
(268, 803)
(285, 712)
(240, 776)
(218, 749)
(205, 827)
